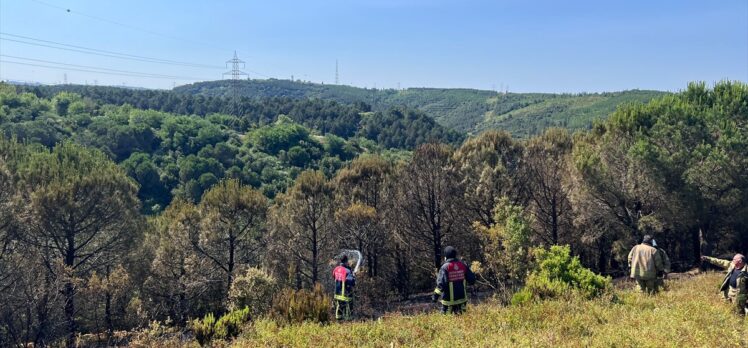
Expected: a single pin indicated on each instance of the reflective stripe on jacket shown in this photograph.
(451, 284)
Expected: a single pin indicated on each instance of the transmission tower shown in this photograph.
(235, 72)
(337, 79)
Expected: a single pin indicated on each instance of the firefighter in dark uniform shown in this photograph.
(345, 280)
(451, 284)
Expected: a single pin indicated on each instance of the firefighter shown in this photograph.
(451, 284)
(345, 281)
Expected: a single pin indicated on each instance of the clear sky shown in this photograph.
(525, 46)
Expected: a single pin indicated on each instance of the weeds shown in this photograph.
(691, 314)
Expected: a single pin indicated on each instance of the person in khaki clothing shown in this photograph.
(735, 286)
(646, 262)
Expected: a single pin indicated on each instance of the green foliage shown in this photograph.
(226, 327)
(298, 306)
(231, 323)
(464, 110)
(63, 100)
(203, 329)
(558, 274)
(153, 193)
(281, 136)
(506, 246)
(521, 297)
(529, 114)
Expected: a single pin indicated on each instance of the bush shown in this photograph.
(227, 327)
(254, 289)
(521, 297)
(297, 306)
(156, 334)
(203, 329)
(230, 324)
(558, 274)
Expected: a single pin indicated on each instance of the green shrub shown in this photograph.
(255, 290)
(203, 329)
(521, 297)
(297, 306)
(226, 327)
(230, 324)
(506, 248)
(558, 274)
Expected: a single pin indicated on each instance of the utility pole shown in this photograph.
(337, 79)
(235, 73)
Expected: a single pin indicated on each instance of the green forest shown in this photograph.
(188, 217)
(464, 110)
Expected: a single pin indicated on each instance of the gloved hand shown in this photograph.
(434, 297)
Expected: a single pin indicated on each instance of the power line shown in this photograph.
(104, 69)
(129, 26)
(112, 54)
(93, 71)
(99, 52)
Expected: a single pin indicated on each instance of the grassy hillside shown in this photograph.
(536, 112)
(691, 314)
(465, 110)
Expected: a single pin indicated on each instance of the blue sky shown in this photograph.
(525, 46)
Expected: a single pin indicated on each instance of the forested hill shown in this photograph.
(177, 145)
(464, 110)
(394, 127)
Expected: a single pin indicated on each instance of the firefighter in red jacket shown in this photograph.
(451, 284)
(345, 280)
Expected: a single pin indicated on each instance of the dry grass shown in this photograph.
(690, 314)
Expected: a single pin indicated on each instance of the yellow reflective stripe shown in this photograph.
(452, 303)
(451, 292)
(438, 291)
(342, 289)
(343, 298)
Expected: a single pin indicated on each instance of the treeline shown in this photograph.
(78, 256)
(392, 127)
(464, 110)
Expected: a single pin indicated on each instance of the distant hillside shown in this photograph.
(394, 127)
(528, 114)
(465, 110)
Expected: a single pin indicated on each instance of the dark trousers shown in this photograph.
(456, 309)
